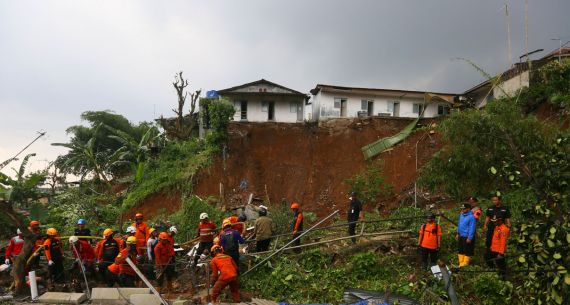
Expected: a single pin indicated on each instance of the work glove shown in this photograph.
(50, 263)
(7, 262)
(37, 254)
(203, 257)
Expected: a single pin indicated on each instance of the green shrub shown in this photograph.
(187, 218)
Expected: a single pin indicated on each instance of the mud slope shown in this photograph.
(309, 164)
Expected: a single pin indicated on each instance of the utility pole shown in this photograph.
(509, 49)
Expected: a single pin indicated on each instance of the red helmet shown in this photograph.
(163, 235)
(138, 215)
(295, 205)
(34, 223)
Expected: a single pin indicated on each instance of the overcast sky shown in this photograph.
(60, 58)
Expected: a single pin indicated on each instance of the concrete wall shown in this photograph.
(282, 109)
(323, 105)
(511, 86)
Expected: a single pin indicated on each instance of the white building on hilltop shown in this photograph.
(330, 101)
(264, 101)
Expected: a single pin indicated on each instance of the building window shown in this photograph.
(338, 102)
(418, 108)
(443, 109)
(293, 107)
(264, 106)
(364, 104)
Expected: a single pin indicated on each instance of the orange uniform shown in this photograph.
(235, 224)
(84, 251)
(124, 267)
(114, 269)
(108, 246)
(224, 273)
(53, 249)
(142, 236)
(206, 231)
(163, 254)
(429, 233)
(499, 241)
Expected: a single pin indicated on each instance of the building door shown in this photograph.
(299, 111)
(343, 108)
(271, 111)
(370, 108)
(243, 110)
(396, 109)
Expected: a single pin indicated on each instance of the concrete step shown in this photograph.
(62, 298)
(144, 299)
(115, 296)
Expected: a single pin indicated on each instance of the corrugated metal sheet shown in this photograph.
(354, 296)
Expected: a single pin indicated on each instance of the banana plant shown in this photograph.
(23, 187)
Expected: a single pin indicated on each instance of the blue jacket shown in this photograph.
(466, 226)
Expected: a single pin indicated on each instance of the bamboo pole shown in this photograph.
(292, 241)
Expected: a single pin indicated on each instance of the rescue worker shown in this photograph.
(83, 253)
(38, 245)
(127, 276)
(297, 224)
(353, 215)
(238, 222)
(130, 231)
(106, 252)
(151, 243)
(476, 210)
(264, 228)
(54, 253)
(112, 275)
(164, 253)
(230, 240)
(141, 233)
(465, 235)
(172, 231)
(81, 230)
(14, 246)
(499, 246)
(497, 210)
(224, 273)
(206, 233)
(429, 241)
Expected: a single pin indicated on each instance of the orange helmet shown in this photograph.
(217, 249)
(34, 223)
(107, 232)
(217, 241)
(226, 223)
(51, 232)
(163, 235)
(295, 205)
(138, 215)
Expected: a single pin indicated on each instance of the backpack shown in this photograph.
(229, 242)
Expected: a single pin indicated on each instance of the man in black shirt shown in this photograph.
(354, 209)
(81, 230)
(497, 210)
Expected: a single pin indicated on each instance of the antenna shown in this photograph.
(3, 164)
(508, 21)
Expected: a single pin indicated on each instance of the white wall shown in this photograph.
(323, 105)
(254, 110)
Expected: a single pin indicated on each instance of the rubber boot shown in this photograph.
(466, 260)
(460, 259)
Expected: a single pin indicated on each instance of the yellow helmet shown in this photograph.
(151, 230)
(107, 232)
(226, 223)
(52, 231)
(132, 240)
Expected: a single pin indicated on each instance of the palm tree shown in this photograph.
(23, 187)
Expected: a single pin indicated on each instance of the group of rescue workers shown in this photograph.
(147, 248)
(496, 228)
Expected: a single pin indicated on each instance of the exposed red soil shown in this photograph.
(309, 164)
(156, 204)
(552, 114)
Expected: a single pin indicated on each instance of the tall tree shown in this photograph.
(184, 124)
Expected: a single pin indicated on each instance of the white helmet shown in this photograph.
(131, 229)
(173, 229)
(73, 239)
(18, 231)
(203, 216)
